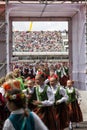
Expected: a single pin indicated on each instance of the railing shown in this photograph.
(39, 53)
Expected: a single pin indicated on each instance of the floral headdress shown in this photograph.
(11, 84)
(15, 96)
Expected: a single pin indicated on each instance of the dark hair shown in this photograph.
(42, 75)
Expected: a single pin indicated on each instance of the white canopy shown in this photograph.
(51, 11)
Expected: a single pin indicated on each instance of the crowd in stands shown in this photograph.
(37, 41)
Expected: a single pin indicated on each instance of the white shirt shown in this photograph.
(2, 91)
(29, 90)
(39, 125)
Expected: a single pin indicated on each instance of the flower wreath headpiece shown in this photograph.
(15, 96)
(11, 84)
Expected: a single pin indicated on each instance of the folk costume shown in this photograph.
(63, 74)
(61, 107)
(16, 121)
(74, 100)
(31, 95)
(45, 110)
(75, 113)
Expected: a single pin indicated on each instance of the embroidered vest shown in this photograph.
(57, 95)
(71, 96)
(42, 95)
(58, 73)
(18, 121)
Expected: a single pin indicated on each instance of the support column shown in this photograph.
(79, 49)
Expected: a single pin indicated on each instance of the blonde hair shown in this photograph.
(10, 75)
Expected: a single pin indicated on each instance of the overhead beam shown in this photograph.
(44, 0)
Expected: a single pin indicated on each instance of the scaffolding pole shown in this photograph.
(7, 37)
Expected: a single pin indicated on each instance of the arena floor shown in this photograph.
(82, 126)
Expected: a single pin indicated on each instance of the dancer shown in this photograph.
(74, 100)
(20, 118)
(45, 102)
(30, 94)
(61, 98)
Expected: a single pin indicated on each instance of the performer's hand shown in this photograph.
(79, 102)
(35, 102)
(57, 102)
(28, 96)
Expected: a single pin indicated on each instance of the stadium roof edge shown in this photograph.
(45, 0)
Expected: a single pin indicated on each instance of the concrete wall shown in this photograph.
(79, 49)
